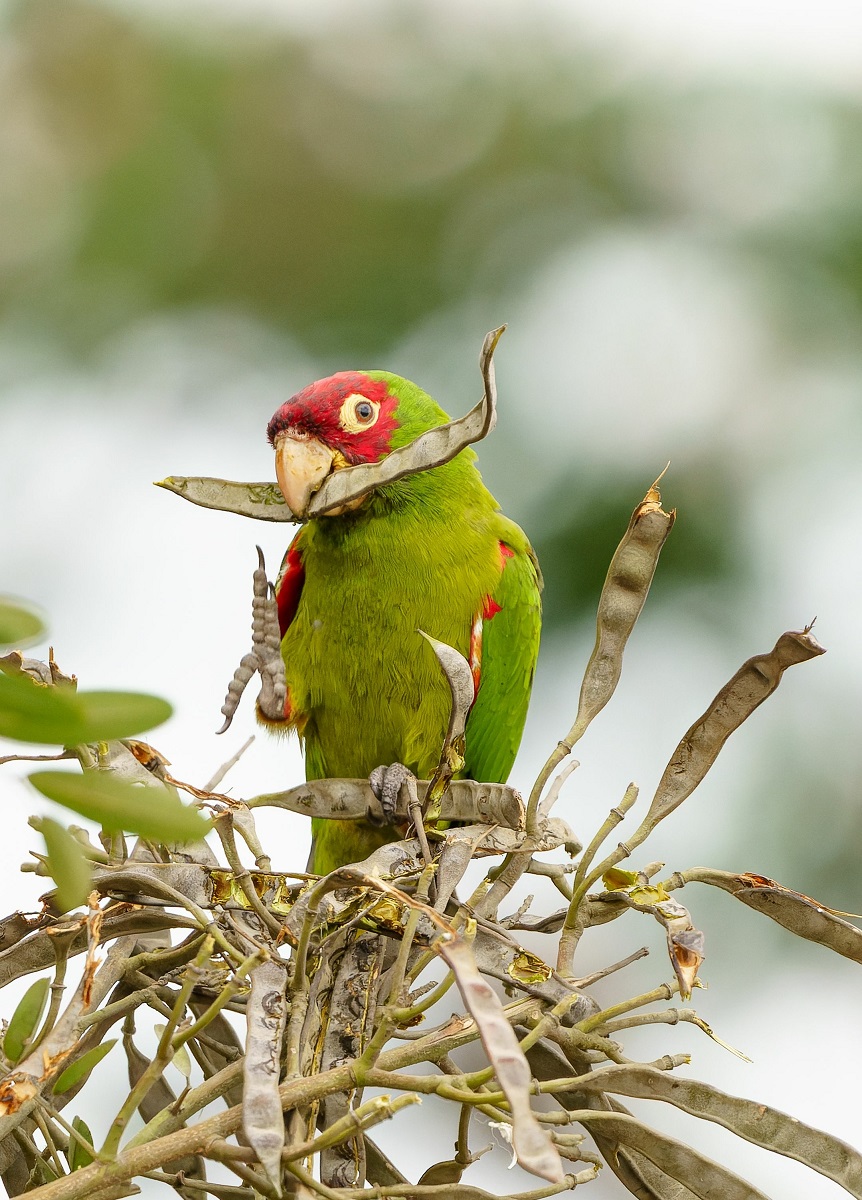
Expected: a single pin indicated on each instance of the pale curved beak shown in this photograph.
(301, 465)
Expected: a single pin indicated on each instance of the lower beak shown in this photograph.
(301, 465)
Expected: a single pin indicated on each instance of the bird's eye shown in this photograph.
(358, 413)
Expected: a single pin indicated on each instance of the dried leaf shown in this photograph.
(460, 679)
(25, 1019)
(753, 683)
(449, 1171)
(757, 1123)
(685, 943)
(69, 866)
(797, 912)
(263, 1119)
(152, 812)
(534, 1149)
(179, 1054)
(526, 967)
(82, 1066)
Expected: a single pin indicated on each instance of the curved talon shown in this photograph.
(247, 667)
(265, 655)
(386, 782)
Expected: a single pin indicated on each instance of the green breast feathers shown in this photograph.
(430, 552)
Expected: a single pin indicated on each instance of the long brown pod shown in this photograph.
(623, 596)
(754, 682)
(533, 1148)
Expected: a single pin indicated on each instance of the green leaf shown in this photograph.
(179, 1057)
(69, 866)
(77, 1156)
(34, 712)
(58, 716)
(25, 1018)
(182, 1062)
(82, 1067)
(110, 715)
(41, 1174)
(152, 812)
(18, 625)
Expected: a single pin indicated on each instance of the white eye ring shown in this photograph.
(358, 413)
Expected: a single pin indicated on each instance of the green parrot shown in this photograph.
(429, 552)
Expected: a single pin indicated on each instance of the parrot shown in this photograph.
(430, 552)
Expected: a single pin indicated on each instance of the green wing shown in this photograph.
(510, 645)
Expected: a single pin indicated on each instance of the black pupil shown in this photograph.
(364, 411)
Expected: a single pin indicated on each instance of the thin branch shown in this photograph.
(212, 784)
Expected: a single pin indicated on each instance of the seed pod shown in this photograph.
(623, 595)
(754, 682)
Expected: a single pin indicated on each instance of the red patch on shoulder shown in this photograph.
(490, 608)
(289, 587)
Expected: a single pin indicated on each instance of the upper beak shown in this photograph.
(301, 465)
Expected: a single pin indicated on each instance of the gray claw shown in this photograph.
(265, 656)
(386, 783)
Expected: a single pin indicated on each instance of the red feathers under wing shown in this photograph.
(509, 646)
(288, 587)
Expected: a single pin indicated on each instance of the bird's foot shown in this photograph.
(386, 783)
(265, 656)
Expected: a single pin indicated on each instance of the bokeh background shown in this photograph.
(203, 206)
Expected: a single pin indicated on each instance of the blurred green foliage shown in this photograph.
(343, 187)
(405, 178)
(155, 812)
(56, 713)
(340, 192)
(62, 716)
(19, 625)
(338, 189)
(68, 864)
